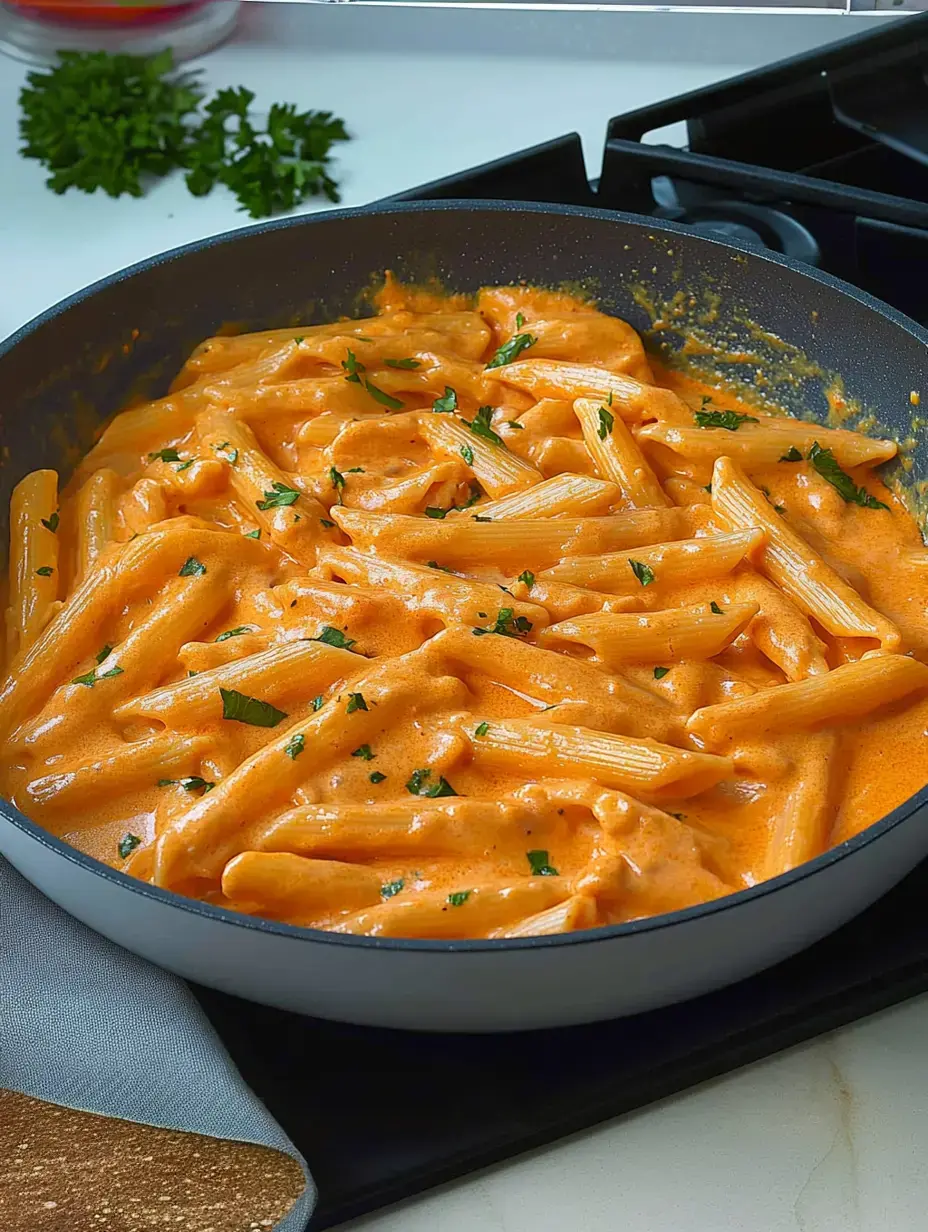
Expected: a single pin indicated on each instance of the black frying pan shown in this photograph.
(80, 361)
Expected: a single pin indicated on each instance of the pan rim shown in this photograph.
(605, 933)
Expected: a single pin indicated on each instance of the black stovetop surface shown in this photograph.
(824, 157)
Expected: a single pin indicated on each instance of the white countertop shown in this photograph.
(826, 1138)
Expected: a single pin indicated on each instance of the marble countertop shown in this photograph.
(825, 1138)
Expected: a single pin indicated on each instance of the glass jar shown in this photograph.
(35, 30)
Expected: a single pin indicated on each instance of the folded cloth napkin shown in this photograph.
(89, 1026)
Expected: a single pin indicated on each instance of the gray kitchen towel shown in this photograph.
(88, 1025)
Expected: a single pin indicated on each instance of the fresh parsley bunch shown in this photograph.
(97, 120)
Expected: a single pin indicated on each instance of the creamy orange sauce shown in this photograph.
(609, 744)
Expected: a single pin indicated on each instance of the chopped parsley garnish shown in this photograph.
(165, 455)
(391, 888)
(433, 564)
(185, 465)
(467, 454)
(45, 571)
(447, 404)
(365, 752)
(433, 511)
(231, 456)
(87, 679)
(708, 488)
(512, 350)
(114, 671)
(679, 816)
(660, 672)
(402, 363)
(355, 702)
(295, 746)
(377, 776)
(51, 523)
(298, 339)
(381, 396)
(511, 423)
(827, 466)
(355, 470)
(255, 534)
(714, 607)
(475, 494)
(192, 568)
(194, 783)
(476, 518)
(644, 573)
(792, 455)
(507, 624)
(481, 729)
(528, 578)
(731, 421)
(241, 709)
(104, 653)
(334, 637)
(418, 785)
(459, 897)
(326, 523)
(224, 637)
(353, 368)
(318, 702)
(520, 320)
(279, 497)
(538, 863)
(480, 426)
(128, 844)
(606, 423)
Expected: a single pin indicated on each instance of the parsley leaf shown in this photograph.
(338, 482)
(433, 511)
(520, 320)
(644, 573)
(103, 653)
(512, 350)
(507, 624)
(446, 404)
(402, 363)
(334, 637)
(538, 863)
(224, 637)
(528, 578)
(191, 568)
(254, 534)
(480, 426)
(731, 421)
(377, 776)
(660, 672)
(326, 523)
(353, 367)
(418, 785)
(481, 729)
(467, 454)
(241, 709)
(792, 455)
(318, 701)
(381, 396)
(280, 497)
(114, 671)
(355, 702)
(295, 746)
(364, 751)
(195, 783)
(45, 571)
(714, 607)
(459, 897)
(606, 423)
(128, 844)
(391, 887)
(51, 523)
(165, 455)
(88, 679)
(827, 466)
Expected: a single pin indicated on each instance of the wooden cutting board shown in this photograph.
(67, 1171)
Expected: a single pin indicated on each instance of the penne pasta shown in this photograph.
(578, 911)
(291, 887)
(33, 557)
(800, 827)
(95, 515)
(617, 457)
(766, 443)
(566, 495)
(499, 471)
(633, 400)
(665, 636)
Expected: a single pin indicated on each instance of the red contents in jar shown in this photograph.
(76, 13)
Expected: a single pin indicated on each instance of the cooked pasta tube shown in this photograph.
(552, 678)
(765, 443)
(799, 828)
(527, 746)
(293, 521)
(849, 692)
(126, 766)
(208, 833)
(669, 564)
(411, 828)
(578, 911)
(472, 911)
(617, 456)
(668, 636)
(425, 589)
(290, 887)
(290, 669)
(33, 556)
(527, 543)
(633, 400)
(780, 630)
(566, 495)
(795, 566)
(95, 514)
(499, 471)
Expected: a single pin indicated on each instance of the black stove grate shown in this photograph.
(818, 157)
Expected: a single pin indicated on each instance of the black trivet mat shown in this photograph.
(382, 1115)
